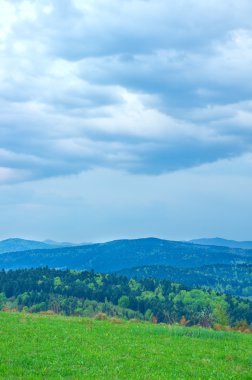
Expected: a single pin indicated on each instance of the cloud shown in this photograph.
(142, 86)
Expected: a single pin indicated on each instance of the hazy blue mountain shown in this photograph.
(56, 244)
(223, 243)
(16, 245)
(120, 254)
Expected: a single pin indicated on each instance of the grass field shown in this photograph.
(54, 347)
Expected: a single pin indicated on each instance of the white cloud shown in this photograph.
(8, 175)
(7, 19)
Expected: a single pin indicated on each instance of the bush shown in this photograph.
(101, 317)
(117, 321)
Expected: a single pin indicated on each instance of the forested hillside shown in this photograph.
(87, 293)
(231, 279)
(121, 254)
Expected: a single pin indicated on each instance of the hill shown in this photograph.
(56, 347)
(120, 254)
(17, 245)
(230, 279)
(87, 293)
(223, 243)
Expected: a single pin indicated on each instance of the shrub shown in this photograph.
(101, 317)
(116, 321)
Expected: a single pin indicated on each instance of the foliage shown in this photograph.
(88, 293)
(230, 279)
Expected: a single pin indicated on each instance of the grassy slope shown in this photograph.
(55, 347)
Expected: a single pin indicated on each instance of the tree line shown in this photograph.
(87, 293)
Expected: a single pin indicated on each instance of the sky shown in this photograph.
(124, 119)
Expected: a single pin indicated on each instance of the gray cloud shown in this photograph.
(142, 86)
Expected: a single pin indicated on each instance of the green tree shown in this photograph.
(2, 300)
(124, 302)
(148, 315)
(220, 314)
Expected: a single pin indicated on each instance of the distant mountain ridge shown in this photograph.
(17, 245)
(220, 242)
(120, 254)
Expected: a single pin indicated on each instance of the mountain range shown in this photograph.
(223, 243)
(223, 268)
(17, 244)
(120, 254)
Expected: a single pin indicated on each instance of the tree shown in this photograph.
(2, 300)
(220, 314)
(124, 301)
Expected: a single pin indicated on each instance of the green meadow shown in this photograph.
(35, 346)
